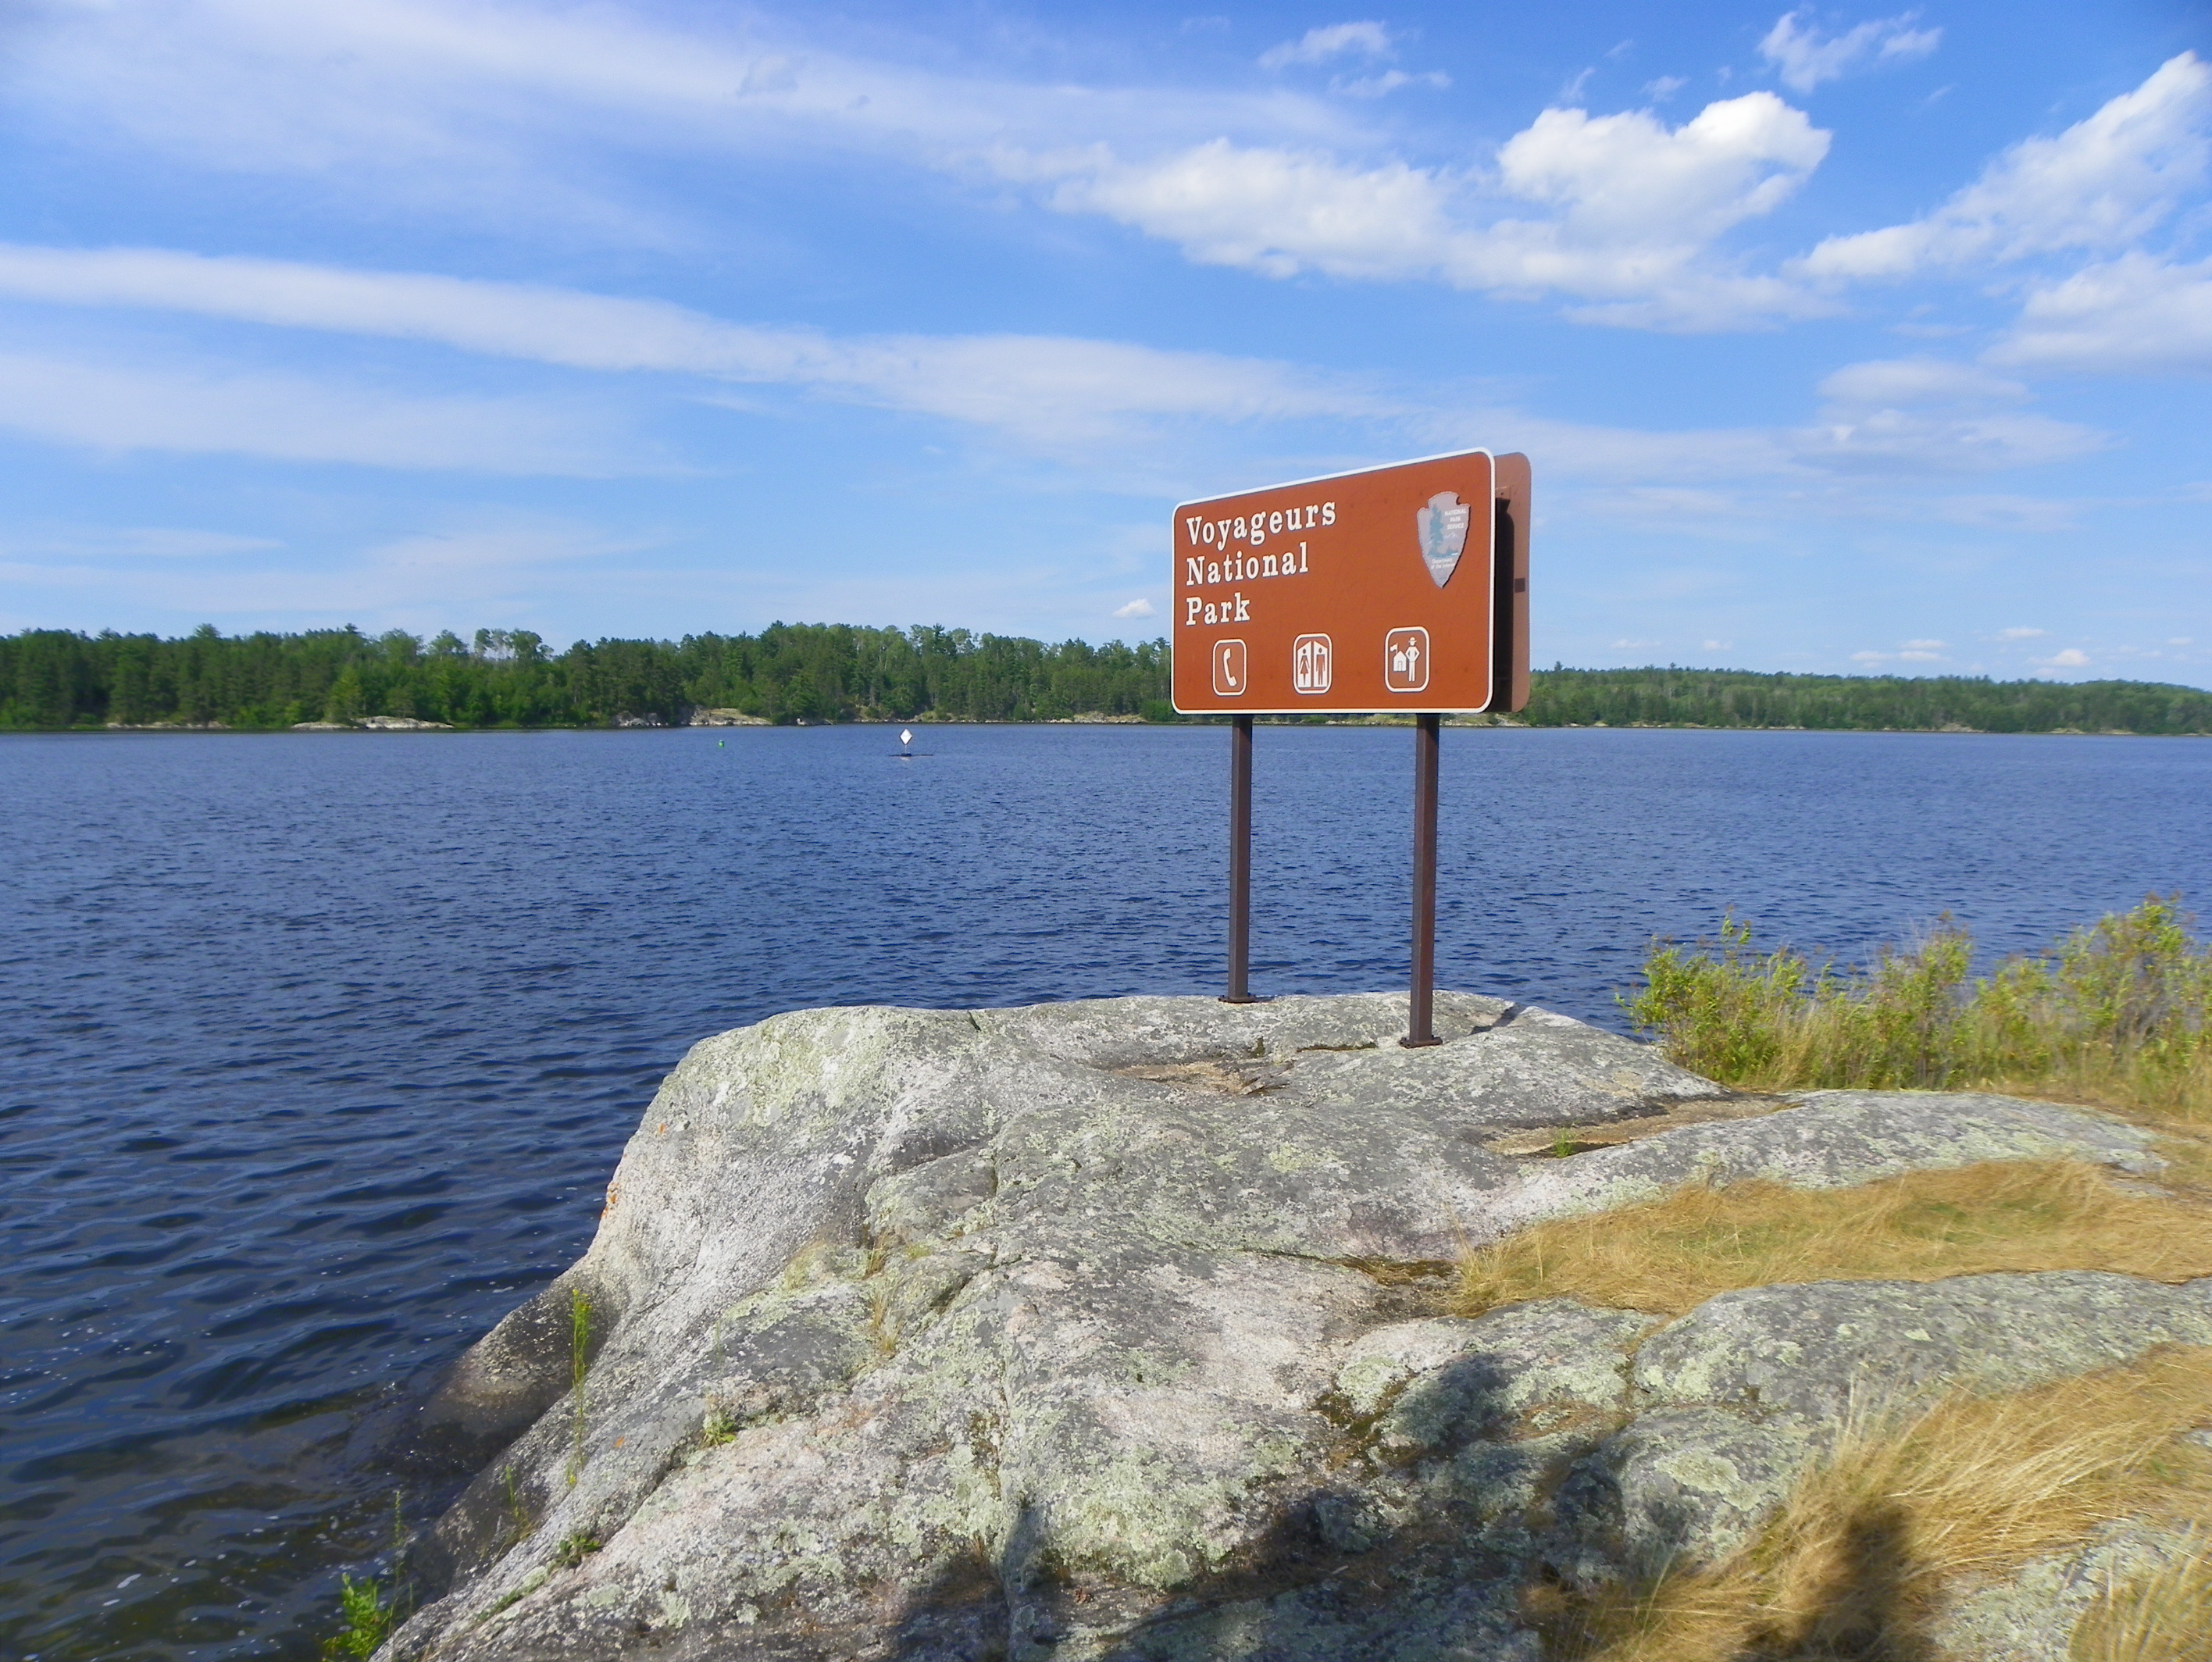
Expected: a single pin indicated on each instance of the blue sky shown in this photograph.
(1839, 339)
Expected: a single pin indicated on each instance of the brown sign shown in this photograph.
(1399, 588)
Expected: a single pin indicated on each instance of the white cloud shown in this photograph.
(2021, 633)
(1664, 87)
(2072, 658)
(136, 542)
(434, 562)
(2134, 315)
(1632, 209)
(1050, 391)
(515, 320)
(1391, 80)
(1055, 389)
(2014, 513)
(1913, 652)
(1925, 415)
(403, 73)
(1139, 607)
(1637, 206)
(1277, 212)
(1042, 389)
(502, 565)
(1906, 442)
(1671, 504)
(1331, 40)
(1663, 467)
(482, 111)
(1629, 175)
(2101, 185)
(1804, 59)
(1085, 399)
(291, 418)
(1890, 381)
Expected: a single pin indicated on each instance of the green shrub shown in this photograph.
(2117, 1012)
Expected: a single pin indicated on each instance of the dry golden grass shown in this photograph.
(1674, 1254)
(2163, 1617)
(2187, 1151)
(1854, 1564)
(2145, 1091)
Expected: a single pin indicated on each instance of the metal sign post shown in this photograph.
(1396, 588)
(1420, 1019)
(1240, 863)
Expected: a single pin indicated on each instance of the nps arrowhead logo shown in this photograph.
(1442, 528)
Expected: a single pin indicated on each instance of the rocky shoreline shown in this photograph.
(1111, 1330)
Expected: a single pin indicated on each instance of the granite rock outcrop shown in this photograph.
(1108, 1329)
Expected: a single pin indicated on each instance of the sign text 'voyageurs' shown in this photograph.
(1399, 588)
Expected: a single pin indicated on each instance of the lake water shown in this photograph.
(319, 1050)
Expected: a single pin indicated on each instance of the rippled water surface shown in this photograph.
(316, 1051)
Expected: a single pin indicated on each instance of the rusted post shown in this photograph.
(1240, 863)
(1420, 1025)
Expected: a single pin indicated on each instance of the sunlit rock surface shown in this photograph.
(1109, 1329)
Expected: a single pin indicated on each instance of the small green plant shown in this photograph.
(369, 1617)
(720, 1426)
(579, 1347)
(368, 1620)
(574, 1548)
(518, 1520)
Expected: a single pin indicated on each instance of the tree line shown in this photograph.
(1738, 698)
(57, 678)
(823, 672)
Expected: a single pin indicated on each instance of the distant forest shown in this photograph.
(821, 672)
(51, 678)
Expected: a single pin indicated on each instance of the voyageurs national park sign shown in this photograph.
(1399, 588)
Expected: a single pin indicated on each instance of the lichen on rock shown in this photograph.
(1108, 1329)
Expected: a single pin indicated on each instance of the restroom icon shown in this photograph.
(1405, 661)
(1311, 665)
(1229, 680)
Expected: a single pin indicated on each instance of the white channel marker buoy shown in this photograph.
(906, 738)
